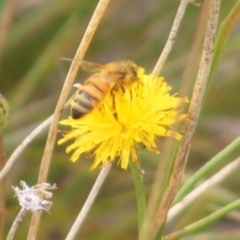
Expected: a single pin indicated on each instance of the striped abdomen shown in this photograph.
(89, 96)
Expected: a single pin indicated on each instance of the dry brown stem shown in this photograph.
(193, 113)
(46, 159)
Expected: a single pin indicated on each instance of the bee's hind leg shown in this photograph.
(112, 92)
(114, 106)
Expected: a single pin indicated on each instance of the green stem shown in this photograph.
(217, 160)
(204, 221)
(221, 39)
(140, 194)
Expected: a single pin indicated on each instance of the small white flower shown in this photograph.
(29, 197)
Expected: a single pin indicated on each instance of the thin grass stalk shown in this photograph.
(89, 202)
(204, 222)
(205, 186)
(171, 38)
(170, 154)
(223, 33)
(195, 49)
(16, 223)
(153, 199)
(222, 157)
(193, 113)
(13, 158)
(46, 159)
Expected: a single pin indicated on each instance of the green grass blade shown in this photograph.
(140, 194)
(204, 222)
(215, 162)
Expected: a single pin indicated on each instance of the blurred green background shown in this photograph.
(31, 77)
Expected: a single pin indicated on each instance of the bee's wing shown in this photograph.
(91, 67)
(107, 77)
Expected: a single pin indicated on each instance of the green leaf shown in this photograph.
(140, 194)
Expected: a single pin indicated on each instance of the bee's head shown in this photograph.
(126, 71)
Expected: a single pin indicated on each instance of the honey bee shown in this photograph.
(107, 78)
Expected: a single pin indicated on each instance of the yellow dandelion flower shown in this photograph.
(143, 112)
